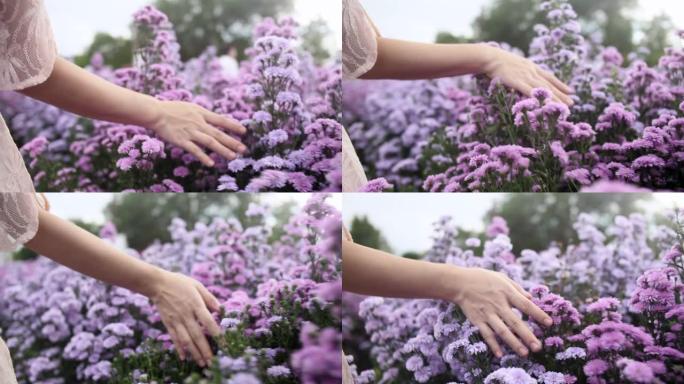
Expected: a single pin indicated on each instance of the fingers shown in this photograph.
(527, 307)
(490, 338)
(208, 322)
(211, 143)
(198, 153)
(520, 289)
(558, 95)
(225, 139)
(506, 335)
(187, 343)
(550, 77)
(176, 342)
(231, 125)
(209, 299)
(521, 329)
(202, 352)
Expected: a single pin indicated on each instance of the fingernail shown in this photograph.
(523, 351)
(242, 148)
(536, 346)
(548, 322)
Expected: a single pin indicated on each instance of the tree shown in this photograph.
(117, 52)
(536, 220)
(655, 37)
(144, 218)
(513, 21)
(365, 233)
(313, 40)
(444, 37)
(221, 23)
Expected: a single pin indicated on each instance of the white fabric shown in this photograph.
(6, 370)
(27, 56)
(360, 48)
(353, 176)
(360, 40)
(27, 46)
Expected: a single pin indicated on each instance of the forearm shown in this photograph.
(79, 250)
(369, 271)
(76, 90)
(406, 60)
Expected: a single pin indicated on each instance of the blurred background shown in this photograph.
(629, 25)
(403, 223)
(104, 26)
(143, 218)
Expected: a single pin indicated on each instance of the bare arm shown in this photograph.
(406, 60)
(182, 302)
(184, 124)
(486, 297)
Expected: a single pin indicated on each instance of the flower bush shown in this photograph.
(614, 294)
(290, 106)
(474, 134)
(280, 308)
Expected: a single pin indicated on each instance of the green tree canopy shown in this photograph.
(116, 51)
(313, 40)
(513, 21)
(144, 218)
(535, 220)
(221, 23)
(365, 233)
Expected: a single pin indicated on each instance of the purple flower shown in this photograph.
(377, 185)
(595, 367)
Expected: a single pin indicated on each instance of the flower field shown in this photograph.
(280, 308)
(455, 135)
(615, 295)
(290, 106)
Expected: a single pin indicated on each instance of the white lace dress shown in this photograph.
(360, 52)
(27, 56)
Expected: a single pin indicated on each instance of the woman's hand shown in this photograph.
(487, 299)
(523, 75)
(184, 304)
(191, 127)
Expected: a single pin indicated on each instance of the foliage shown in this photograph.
(280, 307)
(615, 296)
(290, 105)
(533, 221)
(474, 134)
(219, 23)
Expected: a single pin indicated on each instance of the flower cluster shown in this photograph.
(474, 134)
(615, 297)
(280, 308)
(290, 105)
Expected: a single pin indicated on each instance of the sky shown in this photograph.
(406, 219)
(420, 21)
(90, 206)
(114, 17)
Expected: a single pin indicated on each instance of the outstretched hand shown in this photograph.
(523, 75)
(487, 299)
(192, 128)
(183, 304)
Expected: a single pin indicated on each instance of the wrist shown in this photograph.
(450, 283)
(152, 282)
(152, 116)
(489, 58)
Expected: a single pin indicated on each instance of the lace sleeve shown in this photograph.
(27, 47)
(18, 219)
(360, 44)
